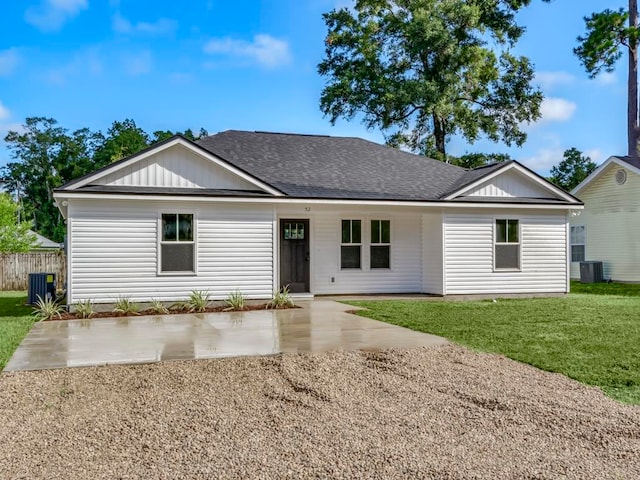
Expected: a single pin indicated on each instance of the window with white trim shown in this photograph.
(380, 247)
(177, 245)
(507, 244)
(578, 243)
(351, 244)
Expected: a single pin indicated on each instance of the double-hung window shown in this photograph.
(177, 246)
(380, 243)
(578, 243)
(507, 244)
(351, 244)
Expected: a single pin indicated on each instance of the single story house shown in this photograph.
(608, 229)
(254, 211)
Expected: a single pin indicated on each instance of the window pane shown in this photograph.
(513, 231)
(350, 257)
(185, 230)
(356, 231)
(346, 231)
(577, 253)
(577, 234)
(169, 227)
(379, 256)
(177, 257)
(375, 231)
(386, 231)
(300, 228)
(507, 256)
(501, 231)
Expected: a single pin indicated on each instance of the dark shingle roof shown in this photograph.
(333, 167)
(634, 162)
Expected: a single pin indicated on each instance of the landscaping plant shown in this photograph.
(235, 301)
(198, 301)
(84, 309)
(126, 306)
(281, 299)
(46, 309)
(158, 307)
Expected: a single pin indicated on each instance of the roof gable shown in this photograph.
(628, 163)
(176, 163)
(510, 180)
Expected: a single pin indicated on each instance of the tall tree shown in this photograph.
(572, 170)
(14, 234)
(475, 160)
(160, 135)
(123, 139)
(609, 34)
(423, 70)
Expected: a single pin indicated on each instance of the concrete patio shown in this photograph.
(319, 325)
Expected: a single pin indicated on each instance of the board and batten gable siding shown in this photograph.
(114, 251)
(509, 184)
(176, 167)
(469, 254)
(405, 274)
(611, 217)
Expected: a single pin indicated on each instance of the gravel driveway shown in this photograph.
(443, 412)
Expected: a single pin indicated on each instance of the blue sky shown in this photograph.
(251, 65)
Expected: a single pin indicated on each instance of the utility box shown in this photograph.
(41, 285)
(591, 272)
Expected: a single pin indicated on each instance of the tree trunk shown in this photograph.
(439, 134)
(632, 85)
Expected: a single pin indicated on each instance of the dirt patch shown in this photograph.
(441, 412)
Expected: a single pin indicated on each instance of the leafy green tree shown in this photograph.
(475, 160)
(123, 139)
(609, 34)
(423, 70)
(161, 135)
(14, 235)
(572, 170)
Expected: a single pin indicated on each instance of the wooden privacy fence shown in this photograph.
(16, 267)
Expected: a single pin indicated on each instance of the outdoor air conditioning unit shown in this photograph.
(41, 285)
(591, 272)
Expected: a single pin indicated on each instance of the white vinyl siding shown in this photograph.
(432, 267)
(469, 255)
(510, 184)
(176, 167)
(611, 217)
(114, 251)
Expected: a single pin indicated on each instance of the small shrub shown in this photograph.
(126, 306)
(198, 301)
(84, 309)
(47, 309)
(235, 301)
(158, 307)
(281, 299)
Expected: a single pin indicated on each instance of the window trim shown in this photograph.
(379, 244)
(160, 242)
(495, 243)
(571, 244)
(351, 244)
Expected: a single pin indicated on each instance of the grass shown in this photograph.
(15, 322)
(592, 338)
(626, 289)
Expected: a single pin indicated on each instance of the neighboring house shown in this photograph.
(254, 211)
(43, 243)
(608, 229)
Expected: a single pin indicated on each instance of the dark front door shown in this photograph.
(294, 255)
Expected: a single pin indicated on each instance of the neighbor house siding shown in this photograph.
(611, 217)
(114, 251)
(405, 274)
(469, 254)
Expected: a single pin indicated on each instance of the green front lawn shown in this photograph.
(594, 339)
(15, 323)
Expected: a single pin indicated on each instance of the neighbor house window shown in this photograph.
(350, 248)
(578, 243)
(380, 243)
(507, 244)
(177, 247)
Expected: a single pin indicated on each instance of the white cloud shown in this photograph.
(548, 80)
(87, 62)
(159, 27)
(4, 112)
(544, 159)
(266, 50)
(606, 78)
(51, 15)
(556, 110)
(137, 63)
(595, 154)
(8, 61)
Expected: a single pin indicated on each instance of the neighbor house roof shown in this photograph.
(43, 242)
(318, 167)
(631, 163)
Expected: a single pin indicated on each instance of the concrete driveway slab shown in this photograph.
(317, 326)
